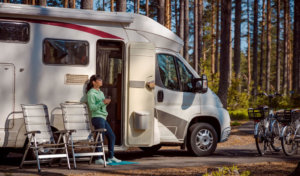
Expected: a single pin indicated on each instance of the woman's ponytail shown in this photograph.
(90, 82)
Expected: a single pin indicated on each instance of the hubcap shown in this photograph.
(204, 139)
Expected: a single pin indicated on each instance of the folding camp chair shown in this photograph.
(40, 136)
(81, 137)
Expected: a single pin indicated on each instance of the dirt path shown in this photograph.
(239, 150)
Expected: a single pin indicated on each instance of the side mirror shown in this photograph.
(200, 84)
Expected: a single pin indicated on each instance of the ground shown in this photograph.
(239, 150)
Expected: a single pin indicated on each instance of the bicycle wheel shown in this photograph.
(289, 146)
(275, 138)
(260, 139)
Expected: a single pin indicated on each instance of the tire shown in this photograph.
(289, 146)
(202, 139)
(151, 149)
(260, 140)
(3, 153)
(276, 141)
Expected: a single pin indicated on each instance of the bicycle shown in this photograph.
(266, 127)
(290, 135)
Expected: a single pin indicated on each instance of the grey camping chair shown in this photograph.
(81, 136)
(40, 136)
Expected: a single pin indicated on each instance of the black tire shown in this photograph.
(151, 149)
(289, 146)
(260, 140)
(3, 153)
(276, 141)
(202, 139)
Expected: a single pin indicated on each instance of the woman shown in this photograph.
(97, 104)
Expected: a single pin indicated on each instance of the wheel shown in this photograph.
(151, 149)
(260, 140)
(3, 153)
(289, 146)
(202, 140)
(275, 140)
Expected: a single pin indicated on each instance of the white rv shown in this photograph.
(47, 54)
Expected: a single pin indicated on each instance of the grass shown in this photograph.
(240, 114)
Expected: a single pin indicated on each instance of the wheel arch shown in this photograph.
(213, 121)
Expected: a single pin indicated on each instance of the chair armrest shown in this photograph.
(32, 132)
(65, 131)
(99, 130)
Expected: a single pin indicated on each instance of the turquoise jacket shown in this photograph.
(96, 105)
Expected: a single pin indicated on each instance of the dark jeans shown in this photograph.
(99, 122)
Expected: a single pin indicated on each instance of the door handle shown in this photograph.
(160, 96)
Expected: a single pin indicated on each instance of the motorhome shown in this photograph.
(49, 53)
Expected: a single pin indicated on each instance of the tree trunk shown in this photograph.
(285, 50)
(200, 38)
(186, 31)
(138, 7)
(296, 55)
(262, 43)
(230, 58)
(181, 22)
(112, 7)
(249, 49)
(224, 57)
(196, 32)
(277, 48)
(72, 4)
(147, 8)
(213, 37)
(217, 37)
(167, 14)
(121, 5)
(255, 45)
(176, 18)
(290, 50)
(160, 12)
(87, 4)
(237, 38)
(44, 3)
(268, 53)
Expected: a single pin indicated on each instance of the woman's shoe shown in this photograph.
(99, 161)
(113, 160)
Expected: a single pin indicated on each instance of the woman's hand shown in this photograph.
(106, 101)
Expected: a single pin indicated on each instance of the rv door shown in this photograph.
(141, 76)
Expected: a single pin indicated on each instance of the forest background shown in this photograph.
(247, 48)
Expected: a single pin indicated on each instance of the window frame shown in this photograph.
(176, 69)
(17, 41)
(67, 65)
(175, 58)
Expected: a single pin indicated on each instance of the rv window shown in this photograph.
(11, 31)
(185, 77)
(65, 52)
(167, 71)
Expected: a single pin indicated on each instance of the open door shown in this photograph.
(140, 117)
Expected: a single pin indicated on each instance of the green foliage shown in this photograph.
(227, 171)
(235, 123)
(237, 99)
(240, 114)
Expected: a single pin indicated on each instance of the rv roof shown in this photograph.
(136, 22)
(68, 13)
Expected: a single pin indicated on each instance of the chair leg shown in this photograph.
(102, 144)
(67, 154)
(94, 147)
(37, 159)
(25, 154)
(73, 153)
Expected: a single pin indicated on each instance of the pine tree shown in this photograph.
(224, 57)
(255, 46)
(237, 38)
(268, 53)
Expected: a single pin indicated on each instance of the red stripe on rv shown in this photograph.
(76, 27)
